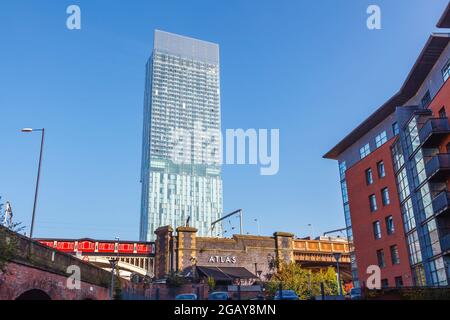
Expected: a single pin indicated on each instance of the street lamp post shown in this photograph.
(38, 176)
(312, 230)
(118, 243)
(114, 263)
(257, 226)
(113, 267)
(337, 257)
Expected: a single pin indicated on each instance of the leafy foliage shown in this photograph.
(211, 283)
(304, 282)
(8, 244)
(174, 280)
(7, 248)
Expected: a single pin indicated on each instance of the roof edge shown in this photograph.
(409, 88)
(444, 20)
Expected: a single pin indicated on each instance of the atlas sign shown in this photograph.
(222, 259)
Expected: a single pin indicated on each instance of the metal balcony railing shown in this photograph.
(441, 202)
(438, 167)
(433, 131)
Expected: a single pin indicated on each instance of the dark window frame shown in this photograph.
(426, 99)
(390, 227)
(399, 282)
(445, 71)
(373, 205)
(395, 128)
(369, 176)
(442, 113)
(380, 164)
(385, 197)
(381, 259)
(376, 227)
(395, 255)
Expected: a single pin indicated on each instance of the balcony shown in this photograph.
(438, 167)
(433, 132)
(445, 244)
(441, 203)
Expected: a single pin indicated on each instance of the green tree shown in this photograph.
(304, 282)
(175, 280)
(8, 243)
(211, 283)
(329, 280)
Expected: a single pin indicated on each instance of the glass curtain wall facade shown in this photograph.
(418, 191)
(181, 173)
(348, 221)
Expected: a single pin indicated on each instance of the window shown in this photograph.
(380, 139)
(418, 275)
(403, 185)
(395, 128)
(381, 171)
(438, 272)
(426, 99)
(394, 255)
(373, 203)
(419, 173)
(384, 283)
(390, 225)
(369, 176)
(377, 230)
(348, 220)
(380, 258)
(397, 155)
(446, 71)
(398, 282)
(342, 169)
(344, 191)
(431, 237)
(442, 113)
(385, 196)
(412, 136)
(364, 151)
(415, 253)
(409, 221)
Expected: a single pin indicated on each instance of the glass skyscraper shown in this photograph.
(181, 173)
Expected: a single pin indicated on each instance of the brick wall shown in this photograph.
(255, 253)
(31, 265)
(19, 278)
(366, 245)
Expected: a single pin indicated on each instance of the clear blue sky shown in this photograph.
(310, 68)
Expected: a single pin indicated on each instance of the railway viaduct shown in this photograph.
(30, 270)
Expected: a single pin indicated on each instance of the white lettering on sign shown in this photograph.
(222, 259)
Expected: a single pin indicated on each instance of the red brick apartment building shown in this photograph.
(394, 173)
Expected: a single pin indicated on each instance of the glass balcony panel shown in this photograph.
(438, 167)
(441, 203)
(445, 244)
(433, 131)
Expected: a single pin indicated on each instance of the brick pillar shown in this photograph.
(284, 246)
(163, 254)
(185, 247)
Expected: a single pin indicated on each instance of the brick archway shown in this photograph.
(33, 294)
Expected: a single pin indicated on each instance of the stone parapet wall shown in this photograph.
(38, 256)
